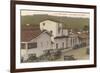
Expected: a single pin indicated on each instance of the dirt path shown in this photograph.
(79, 54)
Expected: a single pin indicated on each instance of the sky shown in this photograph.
(68, 14)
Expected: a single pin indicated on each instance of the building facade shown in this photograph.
(49, 35)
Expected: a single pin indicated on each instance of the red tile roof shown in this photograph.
(84, 35)
(30, 32)
(27, 35)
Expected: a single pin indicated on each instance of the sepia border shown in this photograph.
(13, 35)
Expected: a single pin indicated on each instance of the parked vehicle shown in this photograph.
(70, 57)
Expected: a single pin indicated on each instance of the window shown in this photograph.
(51, 31)
(75, 41)
(56, 45)
(43, 24)
(32, 45)
(59, 28)
(71, 41)
(22, 45)
(41, 45)
(66, 42)
(63, 45)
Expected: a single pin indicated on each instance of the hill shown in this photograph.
(68, 22)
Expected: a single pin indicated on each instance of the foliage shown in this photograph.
(86, 27)
(32, 58)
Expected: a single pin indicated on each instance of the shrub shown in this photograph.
(32, 58)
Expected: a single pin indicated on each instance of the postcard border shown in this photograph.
(13, 35)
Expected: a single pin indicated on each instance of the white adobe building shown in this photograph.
(35, 44)
(60, 36)
(54, 27)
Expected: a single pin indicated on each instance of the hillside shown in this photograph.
(68, 22)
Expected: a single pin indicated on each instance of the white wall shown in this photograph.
(50, 26)
(43, 43)
(5, 37)
(65, 32)
(59, 41)
(43, 38)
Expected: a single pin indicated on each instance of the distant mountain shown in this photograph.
(68, 22)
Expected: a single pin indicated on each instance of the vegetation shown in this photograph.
(32, 58)
(86, 27)
(51, 55)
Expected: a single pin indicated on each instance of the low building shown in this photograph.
(34, 42)
(84, 38)
(54, 27)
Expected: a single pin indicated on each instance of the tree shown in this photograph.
(86, 27)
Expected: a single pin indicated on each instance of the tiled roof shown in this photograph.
(27, 35)
(84, 35)
(30, 32)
